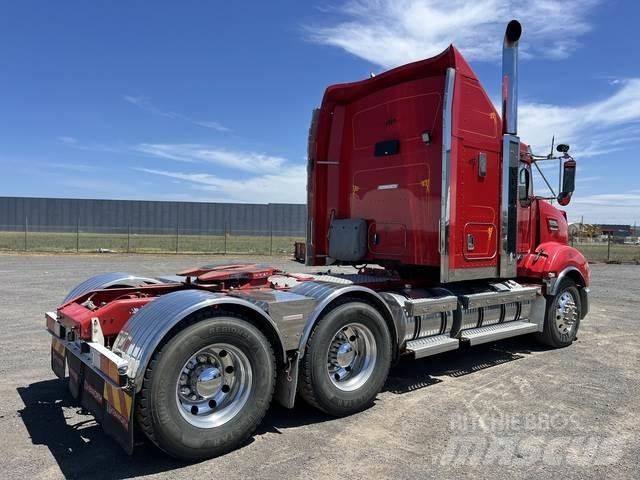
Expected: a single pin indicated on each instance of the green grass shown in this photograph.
(232, 244)
(146, 243)
(596, 252)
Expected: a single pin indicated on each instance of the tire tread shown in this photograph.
(143, 410)
(305, 385)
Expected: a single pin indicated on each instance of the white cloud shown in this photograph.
(237, 160)
(145, 104)
(76, 167)
(286, 186)
(393, 32)
(593, 128)
(621, 207)
(68, 140)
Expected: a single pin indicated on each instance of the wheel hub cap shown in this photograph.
(208, 382)
(213, 385)
(566, 313)
(345, 355)
(351, 357)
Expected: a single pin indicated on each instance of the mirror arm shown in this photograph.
(545, 179)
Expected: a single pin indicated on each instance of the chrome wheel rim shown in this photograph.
(566, 313)
(351, 357)
(213, 385)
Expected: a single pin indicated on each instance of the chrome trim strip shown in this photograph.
(426, 306)
(508, 206)
(313, 127)
(486, 299)
(445, 195)
(563, 274)
(472, 273)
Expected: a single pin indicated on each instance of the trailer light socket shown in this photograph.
(426, 138)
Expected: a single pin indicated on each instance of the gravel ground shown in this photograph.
(509, 409)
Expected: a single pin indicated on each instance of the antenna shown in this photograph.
(553, 139)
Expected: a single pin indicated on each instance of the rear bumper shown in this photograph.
(97, 380)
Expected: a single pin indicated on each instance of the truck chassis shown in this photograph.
(331, 338)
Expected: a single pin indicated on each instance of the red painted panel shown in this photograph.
(398, 194)
(475, 195)
(552, 224)
(387, 239)
(403, 103)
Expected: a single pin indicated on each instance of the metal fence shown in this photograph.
(69, 225)
(128, 239)
(72, 225)
(609, 249)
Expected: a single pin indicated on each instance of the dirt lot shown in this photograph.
(510, 409)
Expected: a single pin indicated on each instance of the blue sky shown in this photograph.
(211, 100)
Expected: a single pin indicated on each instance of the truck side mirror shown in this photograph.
(568, 182)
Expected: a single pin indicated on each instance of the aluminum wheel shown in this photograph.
(213, 385)
(566, 313)
(351, 357)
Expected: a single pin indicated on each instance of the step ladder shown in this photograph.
(423, 347)
(491, 333)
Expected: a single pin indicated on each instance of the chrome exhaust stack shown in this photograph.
(510, 152)
(510, 78)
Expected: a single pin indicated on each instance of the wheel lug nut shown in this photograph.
(202, 359)
(183, 379)
(185, 390)
(194, 397)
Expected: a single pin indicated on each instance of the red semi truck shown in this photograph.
(413, 172)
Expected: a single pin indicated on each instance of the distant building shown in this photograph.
(616, 231)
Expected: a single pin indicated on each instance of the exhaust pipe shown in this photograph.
(510, 78)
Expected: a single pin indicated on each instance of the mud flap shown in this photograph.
(118, 416)
(109, 404)
(75, 375)
(58, 357)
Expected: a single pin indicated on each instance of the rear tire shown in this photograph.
(207, 388)
(562, 316)
(347, 359)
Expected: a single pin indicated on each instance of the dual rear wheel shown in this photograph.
(209, 386)
(347, 359)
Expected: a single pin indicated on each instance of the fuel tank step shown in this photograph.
(423, 347)
(491, 333)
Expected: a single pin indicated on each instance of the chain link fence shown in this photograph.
(129, 239)
(610, 249)
(596, 246)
